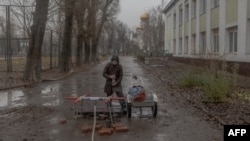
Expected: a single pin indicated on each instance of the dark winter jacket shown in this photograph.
(116, 70)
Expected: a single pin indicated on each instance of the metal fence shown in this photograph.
(15, 22)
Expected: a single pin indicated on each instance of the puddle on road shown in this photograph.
(157, 66)
(160, 137)
(50, 89)
(10, 98)
(53, 103)
(54, 131)
(16, 98)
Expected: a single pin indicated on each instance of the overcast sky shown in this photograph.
(131, 10)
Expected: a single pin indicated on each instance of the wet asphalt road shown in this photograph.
(173, 122)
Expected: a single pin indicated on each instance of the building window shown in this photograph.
(174, 20)
(215, 41)
(233, 40)
(180, 17)
(174, 46)
(203, 43)
(193, 44)
(180, 46)
(215, 3)
(193, 8)
(186, 45)
(203, 6)
(186, 13)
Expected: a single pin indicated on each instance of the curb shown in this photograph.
(17, 86)
(43, 80)
(60, 78)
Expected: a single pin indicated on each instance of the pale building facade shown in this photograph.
(217, 29)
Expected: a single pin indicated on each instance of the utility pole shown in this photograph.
(9, 50)
(90, 39)
(51, 47)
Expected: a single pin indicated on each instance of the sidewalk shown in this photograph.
(9, 80)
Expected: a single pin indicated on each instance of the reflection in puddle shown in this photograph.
(19, 104)
(53, 103)
(6, 98)
(16, 95)
(160, 137)
(50, 88)
(3, 99)
(54, 120)
(54, 131)
(146, 113)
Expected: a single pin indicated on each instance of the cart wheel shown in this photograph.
(129, 110)
(154, 109)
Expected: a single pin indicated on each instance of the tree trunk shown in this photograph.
(33, 61)
(94, 54)
(66, 56)
(87, 52)
(79, 50)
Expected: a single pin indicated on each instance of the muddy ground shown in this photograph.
(33, 113)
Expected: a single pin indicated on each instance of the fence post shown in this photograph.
(51, 45)
(9, 51)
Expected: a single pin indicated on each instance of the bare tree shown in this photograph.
(155, 31)
(22, 11)
(80, 13)
(33, 62)
(109, 33)
(100, 11)
(122, 31)
(66, 56)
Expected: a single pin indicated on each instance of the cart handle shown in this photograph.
(76, 99)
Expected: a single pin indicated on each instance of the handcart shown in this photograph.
(150, 100)
(83, 105)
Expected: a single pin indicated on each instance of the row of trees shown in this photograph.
(152, 32)
(90, 25)
(85, 18)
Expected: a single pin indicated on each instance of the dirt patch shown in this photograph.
(234, 111)
(24, 120)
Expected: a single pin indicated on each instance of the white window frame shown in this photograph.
(193, 44)
(186, 12)
(216, 40)
(203, 43)
(194, 5)
(233, 40)
(203, 6)
(180, 16)
(180, 46)
(215, 3)
(186, 45)
(174, 46)
(174, 20)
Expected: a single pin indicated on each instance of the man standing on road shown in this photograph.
(113, 73)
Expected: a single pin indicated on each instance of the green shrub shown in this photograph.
(189, 80)
(215, 89)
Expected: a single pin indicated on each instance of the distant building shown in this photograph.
(143, 33)
(208, 29)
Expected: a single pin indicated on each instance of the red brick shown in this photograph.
(63, 121)
(122, 129)
(86, 129)
(115, 125)
(105, 131)
(98, 126)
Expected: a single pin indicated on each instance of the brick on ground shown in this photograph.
(115, 125)
(121, 129)
(86, 128)
(105, 131)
